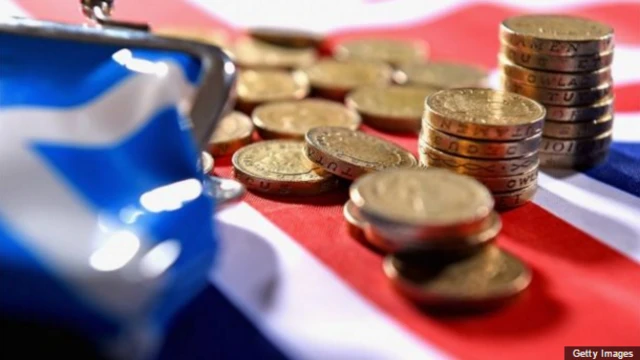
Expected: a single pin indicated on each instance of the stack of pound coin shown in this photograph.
(564, 63)
(488, 134)
(434, 225)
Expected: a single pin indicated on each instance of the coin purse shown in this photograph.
(105, 228)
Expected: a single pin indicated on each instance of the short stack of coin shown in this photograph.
(437, 228)
(564, 63)
(491, 135)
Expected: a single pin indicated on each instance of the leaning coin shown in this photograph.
(204, 35)
(510, 183)
(559, 35)
(292, 119)
(393, 108)
(577, 130)
(286, 37)
(479, 148)
(334, 79)
(392, 51)
(350, 154)
(206, 163)
(584, 113)
(486, 279)
(513, 199)
(441, 75)
(569, 64)
(554, 80)
(580, 146)
(475, 167)
(254, 87)
(233, 132)
(225, 192)
(573, 161)
(280, 167)
(422, 204)
(484, 114)
(252, 53)
(579, 97)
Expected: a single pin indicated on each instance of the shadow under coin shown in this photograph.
(331, 198)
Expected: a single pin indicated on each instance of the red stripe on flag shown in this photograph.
(627, 97)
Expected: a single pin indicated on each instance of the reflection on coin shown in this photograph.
(393, 108)
(556, 34)
(570, 64)
(292, 119)
(252, 53)
(205, 35)
(280, 167)
(206, 163)
(510, 183)
(479, 148)
(224, 191)
(475, 167)
(584, 113)
(392, 51)
(581, 146)
(441, 75)
(286, 37)
(488, 277)
(577, 130)
(554, 80)
(232, 132)
(350, 154)
(258, 86)
(575, 161)
(333, 79)
(361, 231)
(513, 199)
(484, 114)
(578, 97)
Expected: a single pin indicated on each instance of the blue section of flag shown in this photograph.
(622, 168)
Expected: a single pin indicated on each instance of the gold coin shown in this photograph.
(354, 220)
(252, 53)
(558, 35)
(577, 130)
(581, 146)
(554, 80)
(475, 167)
(441, 75)
(569, 64)
(204, 35)
(206, 163)
(334, 79)
(280, 167)
(292, 119)
(233, 132)
(255, 87)
(286, 37)
(513, 199)
(484, 114)
(478, 148)
(573, 161)
(350, 154)
(510, 183)
(579, 97)
(486, 278)
(580, 113)
(391, 51)
(393, 108)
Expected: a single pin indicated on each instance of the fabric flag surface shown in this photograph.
(291, 283)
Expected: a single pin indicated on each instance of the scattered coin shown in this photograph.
(204, 35)
(577, 130)
(225, 192)
(206, 163)
(484, 114)
(392, 51)
(233, 132)
(253, 53)
(554, 80)
(583, 113)
(287, 37)
(513, 199)
(575, 161)
(558, 35)
(441, 75)
(393, 108)
(280, 167)
(254, 87)
(487, 278)
(334, 79)
(582, 146)
(510, 183)
(350, 154)
(578, 97)
(292, 119)
(568, 64)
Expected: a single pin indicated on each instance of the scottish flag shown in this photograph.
(104, 224)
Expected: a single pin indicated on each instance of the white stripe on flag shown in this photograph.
(297, 302)
(9, 8)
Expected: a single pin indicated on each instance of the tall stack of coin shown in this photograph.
(437, 228)
(564, 63)
(491, 135)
